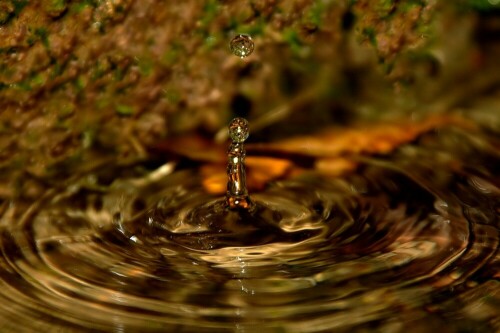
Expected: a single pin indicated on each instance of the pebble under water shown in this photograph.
(407, 242)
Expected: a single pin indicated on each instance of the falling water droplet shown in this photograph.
(237, 194)
(242, 45)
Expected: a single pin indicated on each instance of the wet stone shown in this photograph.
(242, 45)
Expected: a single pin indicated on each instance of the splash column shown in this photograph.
(237, 194)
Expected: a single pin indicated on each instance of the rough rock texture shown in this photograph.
(81, 80)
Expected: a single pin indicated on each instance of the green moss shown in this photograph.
(77, 7)
(387, 67)
(19, 5)
(384, 8)
(80, 83)
(172, 55)
(210, 11)
(103, 101)
(4, 129)
(481, 5)
(408, 5)
(119, 9)
(99, 70)
(315, 14)
(255, 29)
(56, 6)
(232, 25)
(88, 138)
(292, 38)
(11, 9)
(210, 42)
(65, 111)
(172, 95)
(57, 69)
(42, 34)
(146, 66)
(5, 15)
(35, 80)
(23, 85)
(38, 80)
(369, 33)
(118, 74)
(8, 50)
(124, 110)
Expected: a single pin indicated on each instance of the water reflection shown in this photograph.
(408, 240)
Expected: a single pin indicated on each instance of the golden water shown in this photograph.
(409, 241)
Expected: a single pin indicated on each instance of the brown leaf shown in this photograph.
(260, 171)
(194, 147)
(364, 139)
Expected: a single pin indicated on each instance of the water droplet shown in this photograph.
(242, 45)
(238, 130)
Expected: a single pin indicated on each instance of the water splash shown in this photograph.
(237, 193)
(408, 241)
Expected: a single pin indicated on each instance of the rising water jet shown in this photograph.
(237, 193)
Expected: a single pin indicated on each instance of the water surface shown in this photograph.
(406, 242)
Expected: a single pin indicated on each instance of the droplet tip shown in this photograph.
(238, 130)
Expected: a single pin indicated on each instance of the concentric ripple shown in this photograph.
(409, 240)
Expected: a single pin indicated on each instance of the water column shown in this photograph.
(237, 194)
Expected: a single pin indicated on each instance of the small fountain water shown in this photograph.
(237, 193)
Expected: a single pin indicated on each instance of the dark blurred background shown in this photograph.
(80, 80)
